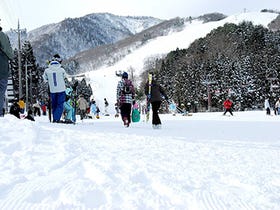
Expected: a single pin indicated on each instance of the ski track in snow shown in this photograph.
(101, 165)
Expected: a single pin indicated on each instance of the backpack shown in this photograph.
(127, 89)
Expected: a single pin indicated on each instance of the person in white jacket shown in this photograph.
(55, 76)
(267, 106)
(277, 107)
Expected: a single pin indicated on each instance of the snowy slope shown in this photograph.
(160, 47)
(206, 161)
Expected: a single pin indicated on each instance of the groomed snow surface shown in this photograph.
(202, 162)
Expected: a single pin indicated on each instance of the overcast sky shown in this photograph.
(35, 13)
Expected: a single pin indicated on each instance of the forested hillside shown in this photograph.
(240, 61)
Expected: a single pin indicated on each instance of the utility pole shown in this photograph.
(19, 63)
(26, 86)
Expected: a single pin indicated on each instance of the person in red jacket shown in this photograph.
(228, 106)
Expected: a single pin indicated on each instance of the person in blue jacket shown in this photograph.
(68, 106)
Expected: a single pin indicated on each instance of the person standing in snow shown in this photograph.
(82, 105)
(94, 109)
(157, 94)
(21, 104)
(55, 76)
(228, 106)
(6, 54)
(267, 106)
(106, 106)
(125, 97)
(37, 108)
(15, 110)
(277, 107)
(68, 106)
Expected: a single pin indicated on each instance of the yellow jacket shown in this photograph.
(21, 104)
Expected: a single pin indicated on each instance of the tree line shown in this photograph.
(237, 61)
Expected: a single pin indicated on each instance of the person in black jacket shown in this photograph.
(15, 109)
(157, 94)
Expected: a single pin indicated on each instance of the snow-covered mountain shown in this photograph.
(71, 36)
(109, 54)
(101, 80)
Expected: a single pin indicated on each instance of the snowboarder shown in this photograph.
(125, 97)
(55, 76)
(155, 98)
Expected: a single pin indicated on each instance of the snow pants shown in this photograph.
(155, 108)
(126, 111)
(57, 105)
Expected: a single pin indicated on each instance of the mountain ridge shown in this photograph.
(73, 35)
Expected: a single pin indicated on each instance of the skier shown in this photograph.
(6, 54)
(125, 97)
(55, 76)
(155, 98)
(228, 106)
